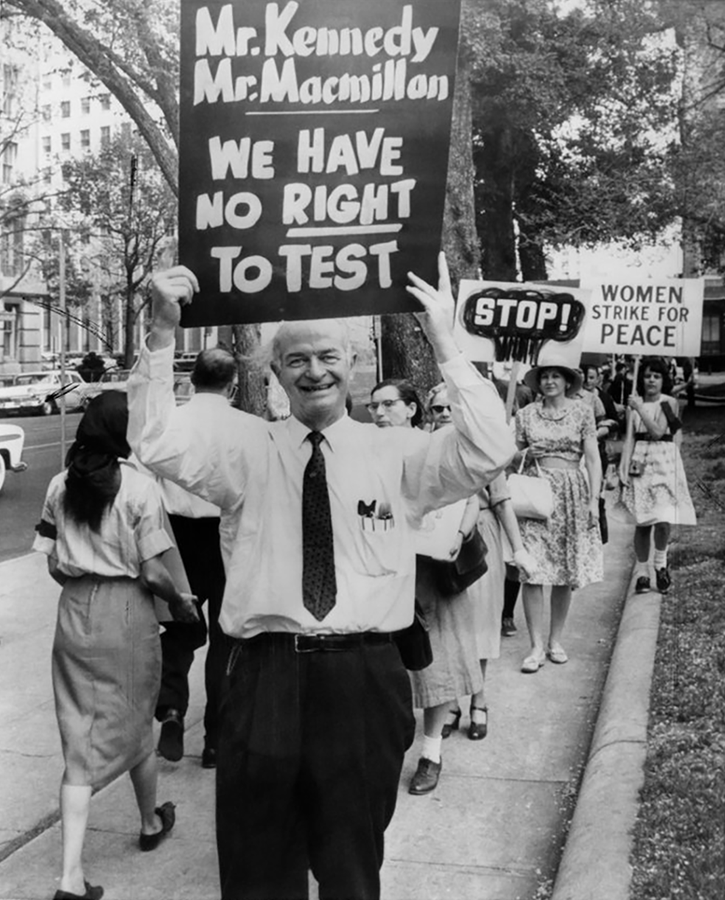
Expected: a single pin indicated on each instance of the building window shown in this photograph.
(85, 139)
(47, 82)
(10, 90)
(65, 109)
(126, 130)
(105, 135)
(85, 105)
(105, 101)
(65, 141)
(47, 144)
(66, 78)
(9, 158)
(46, 112)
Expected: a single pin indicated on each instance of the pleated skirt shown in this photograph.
(106, 676)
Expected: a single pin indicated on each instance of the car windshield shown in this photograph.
(37, 378)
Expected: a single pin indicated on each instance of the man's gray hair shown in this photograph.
(271, 352)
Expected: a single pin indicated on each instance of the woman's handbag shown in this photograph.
(454, 576)
(531, 495)
(413, 643)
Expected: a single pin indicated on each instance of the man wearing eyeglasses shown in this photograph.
(319, 514)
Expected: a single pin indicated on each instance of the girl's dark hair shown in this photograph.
(407, 393)
(654, 364)
(93, 476)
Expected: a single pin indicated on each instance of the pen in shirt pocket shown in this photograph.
(375, 516)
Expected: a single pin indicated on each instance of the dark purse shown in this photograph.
(413, 643)
(454, 576)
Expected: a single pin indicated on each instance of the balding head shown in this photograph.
(214, 371)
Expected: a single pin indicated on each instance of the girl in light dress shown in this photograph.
(654, 488)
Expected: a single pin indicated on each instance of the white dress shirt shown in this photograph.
(253, 470)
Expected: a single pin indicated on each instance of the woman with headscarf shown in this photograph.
(102, 529)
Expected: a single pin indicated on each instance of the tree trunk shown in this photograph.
(495, 197)
(252, 389)
(405, 350)
(129, 315)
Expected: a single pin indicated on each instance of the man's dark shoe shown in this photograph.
(642, 585)
(662, 577)
(171, 740)
(208, 757)
(508, 626)
(426, 776)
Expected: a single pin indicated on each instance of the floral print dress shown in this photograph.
(567, 547)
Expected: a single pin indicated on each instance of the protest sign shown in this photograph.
(661, 317)
(313, 154)
(498, 321)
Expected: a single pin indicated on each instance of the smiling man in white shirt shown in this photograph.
(318, 514)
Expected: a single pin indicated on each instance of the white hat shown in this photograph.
(551, 359)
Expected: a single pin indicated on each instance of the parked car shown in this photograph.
(113, 380)
(12, 439)
(183, 388)
(40, 392)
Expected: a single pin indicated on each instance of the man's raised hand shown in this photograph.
(438, 305)
(170, 290)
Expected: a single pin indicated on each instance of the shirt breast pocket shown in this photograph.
(379, 548)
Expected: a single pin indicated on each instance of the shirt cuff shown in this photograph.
(459, 372)
(44, 544)
(155, 363)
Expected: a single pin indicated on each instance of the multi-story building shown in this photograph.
(52, 109)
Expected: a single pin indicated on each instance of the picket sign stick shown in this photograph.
(630, 417)
(511, 390)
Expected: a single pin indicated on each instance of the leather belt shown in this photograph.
(318, 643)
(654, 440)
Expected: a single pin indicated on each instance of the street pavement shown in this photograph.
(494, 829)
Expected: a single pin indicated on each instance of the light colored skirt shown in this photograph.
(660, 493)
(106, 676)
(455, 671)
(487, 593)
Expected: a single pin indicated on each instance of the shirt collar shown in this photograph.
(333, 433)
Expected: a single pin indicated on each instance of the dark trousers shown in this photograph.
(198, 543)
(310, 751)
(511, 590)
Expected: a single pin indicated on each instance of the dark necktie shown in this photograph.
(318, 558)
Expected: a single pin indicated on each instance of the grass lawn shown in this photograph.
(679, 847)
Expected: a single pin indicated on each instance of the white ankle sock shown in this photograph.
(660, 559)
(432, 748)
(642, 568)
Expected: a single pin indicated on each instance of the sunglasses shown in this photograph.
(439, 408)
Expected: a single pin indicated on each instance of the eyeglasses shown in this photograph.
(439, 408)
(386, 404)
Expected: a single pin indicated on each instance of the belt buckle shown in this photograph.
(300, 649)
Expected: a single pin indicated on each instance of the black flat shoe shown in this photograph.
(168, 817)
(477, 731)
(451, 726)
(93, 892)
(642, 585)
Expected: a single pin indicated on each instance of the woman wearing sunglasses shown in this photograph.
(454, 671)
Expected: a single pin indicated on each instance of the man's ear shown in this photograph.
(274, 366)
(353, 361)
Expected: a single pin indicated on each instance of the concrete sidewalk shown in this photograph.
(494, 829)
